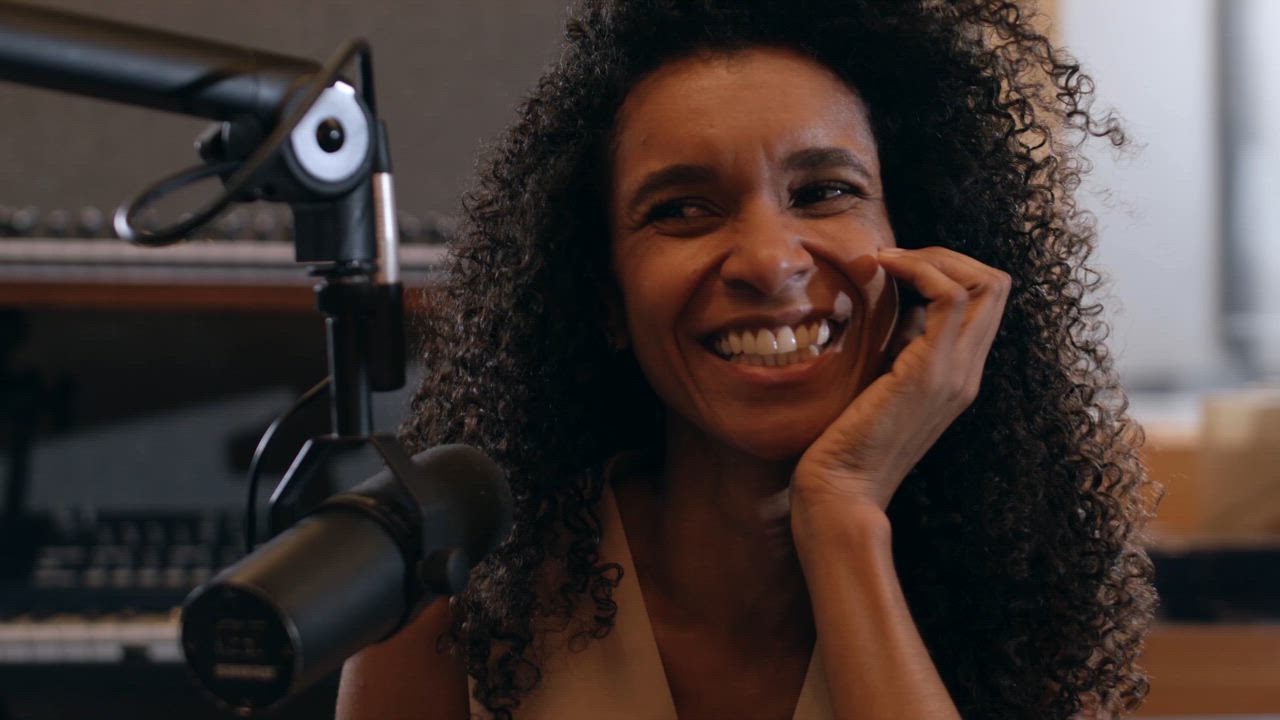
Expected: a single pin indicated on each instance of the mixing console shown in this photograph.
(81, 588)
(240, 248)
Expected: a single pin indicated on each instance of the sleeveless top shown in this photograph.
(621, 675)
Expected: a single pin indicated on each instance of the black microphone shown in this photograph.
(350, 574)
(143, 66)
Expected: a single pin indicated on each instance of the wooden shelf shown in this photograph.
(68, 273)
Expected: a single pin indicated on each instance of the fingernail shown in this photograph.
(892, 251)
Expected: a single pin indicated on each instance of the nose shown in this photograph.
(768, 255)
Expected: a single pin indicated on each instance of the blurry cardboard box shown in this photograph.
(1239, 463)
(1171, 454)
(1220, 475)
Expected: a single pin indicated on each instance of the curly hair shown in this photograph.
(1016, 538)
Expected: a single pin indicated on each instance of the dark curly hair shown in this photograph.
(1016, 538)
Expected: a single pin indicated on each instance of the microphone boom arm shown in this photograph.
(142, 66)
(291, 131)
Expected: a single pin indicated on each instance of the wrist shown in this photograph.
(821, 521)
(822, 488)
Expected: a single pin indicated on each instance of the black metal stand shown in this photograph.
(298, 134)
(363, 322)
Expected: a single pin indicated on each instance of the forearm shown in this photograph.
(876, 663)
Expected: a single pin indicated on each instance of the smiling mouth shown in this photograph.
(779, 346)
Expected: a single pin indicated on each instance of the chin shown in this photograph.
(775, 442)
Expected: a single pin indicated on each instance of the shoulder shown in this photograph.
(405, 677)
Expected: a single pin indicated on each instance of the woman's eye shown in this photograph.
(677, 210)
(824, 193)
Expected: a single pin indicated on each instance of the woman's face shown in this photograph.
(746, 207)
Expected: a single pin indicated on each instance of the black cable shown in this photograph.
(366, 83)
(255, 465)
(170, 184)
(246, 173)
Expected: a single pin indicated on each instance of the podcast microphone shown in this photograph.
(350, 574)
(143, 66)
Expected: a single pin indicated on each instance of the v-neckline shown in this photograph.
(636, 629)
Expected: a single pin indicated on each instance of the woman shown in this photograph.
(775, 313)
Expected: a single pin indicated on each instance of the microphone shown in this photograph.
(143, 66)
(350, 574)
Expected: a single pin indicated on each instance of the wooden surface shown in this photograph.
(1213, 669)
(1203, 670)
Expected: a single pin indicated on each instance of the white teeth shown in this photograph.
(785, 359)
(778, 347)
(786, 340)
(802, 335)
(766, 343)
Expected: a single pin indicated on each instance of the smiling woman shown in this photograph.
(776, 315)
(745, 188)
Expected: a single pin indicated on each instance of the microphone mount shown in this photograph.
(288, 131)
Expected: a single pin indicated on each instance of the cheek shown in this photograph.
(653, 323)
(846, 239)
(657, 285)
(659, 290)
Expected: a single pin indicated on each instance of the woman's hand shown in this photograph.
(863, 456)
(844, 482)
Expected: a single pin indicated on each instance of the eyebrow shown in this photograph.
(821, 158)
(670, 176)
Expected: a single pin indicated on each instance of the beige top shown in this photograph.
(621, 676)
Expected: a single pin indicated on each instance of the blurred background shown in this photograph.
(1187, 221)
(134, 384)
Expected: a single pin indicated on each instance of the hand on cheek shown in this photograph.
(938, 352)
